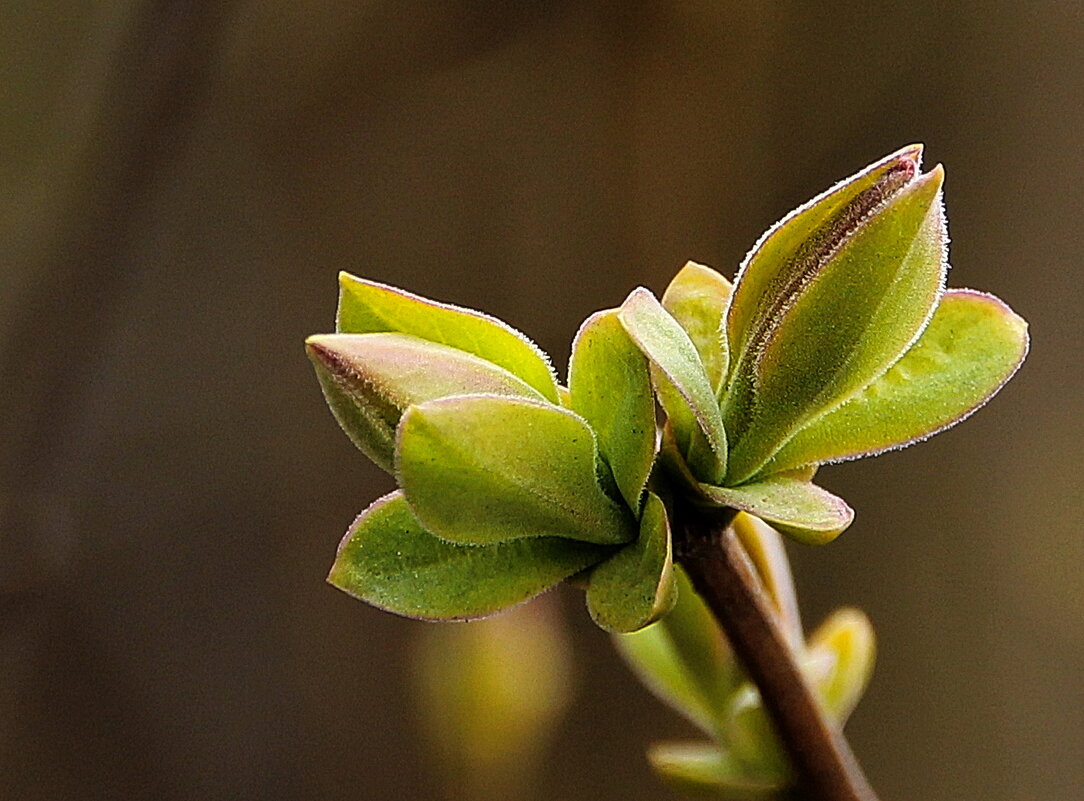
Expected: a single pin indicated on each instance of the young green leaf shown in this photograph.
(854, 303)
(697, 298)
(706, 768)
(369, 379)
(686, 393)
(972, 346)
(635, 586)
(764, 547)
(684, 659)
(610, 387)
(368, 307)
(797, 508)
(478, 469)
(792, 246)
(839, 661)
(390, 561)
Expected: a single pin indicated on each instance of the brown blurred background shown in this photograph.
(180, 182)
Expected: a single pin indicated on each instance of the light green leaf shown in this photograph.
(635, 586)
(706, 768)
(684, 659)
(751, 737)
(972, 346)
(801, 510)
(369, 379)
(478, 469)
(767, 276)
(686, 389)
(839, 661)
(764, 547)
(610, 387)
(697, 298)
(389, 560)
(854, 304)
(369, 307)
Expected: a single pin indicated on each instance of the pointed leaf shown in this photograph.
(635, 586)
(846, 644)
(697, 298)
(389, 560)
(684, 659)
(765, 549)
(706, 768)
(686, 390)
(369, 307)
(369, 379)
(479, 469)
(610, 387)
(792, 246)
(801, 510)
(855, 307)
(972, 346)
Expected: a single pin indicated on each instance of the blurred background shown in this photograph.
(180, 183)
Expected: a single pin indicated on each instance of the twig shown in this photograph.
(709, 551)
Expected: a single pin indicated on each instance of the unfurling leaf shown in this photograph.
(838, 306)
(684, 389)
(610, 387)
(366, 307)
(972, 346)
(479, 469)
(370, 379)
(804, 511)
(389, 560)
(697, 298)
(839, 661)
(635, 586)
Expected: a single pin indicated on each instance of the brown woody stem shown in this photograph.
(709, 551)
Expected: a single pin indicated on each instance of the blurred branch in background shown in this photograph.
(492, 693)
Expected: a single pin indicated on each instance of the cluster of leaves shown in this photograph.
(836, 341)
(686, 661)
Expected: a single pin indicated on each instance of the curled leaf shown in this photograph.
(683, 387)
(839, 661)
(635, 586)
(369, 307)
(369, 379)
(844, 305)
(610, 387)
(697, 298)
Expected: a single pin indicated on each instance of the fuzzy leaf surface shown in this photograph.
(972, 346)
(799, 509)
(389, 560)
(635, 586)
(685, 393)
(697, 299)
(370, 307)
(369, 379)
(850, 315)
(479, 469)
(610, 387)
